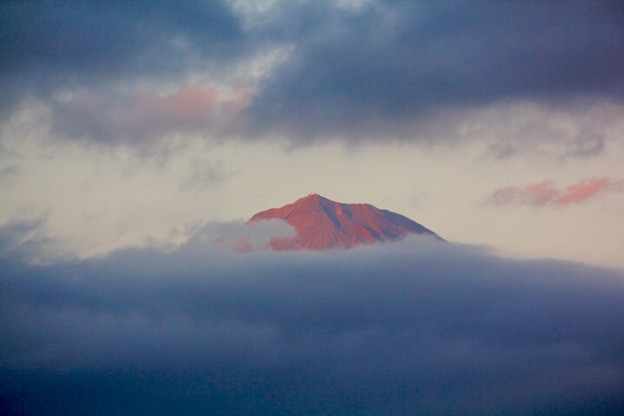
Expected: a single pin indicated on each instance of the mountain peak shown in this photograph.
(311, 198)
(323, 224)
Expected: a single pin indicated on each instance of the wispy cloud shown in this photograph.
(546, 193)
(146, 115)
(237, 237)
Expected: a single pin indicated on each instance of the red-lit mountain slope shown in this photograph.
(322, 224)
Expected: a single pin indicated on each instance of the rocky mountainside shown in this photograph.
(322, 224)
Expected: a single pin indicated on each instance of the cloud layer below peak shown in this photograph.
(412, 327)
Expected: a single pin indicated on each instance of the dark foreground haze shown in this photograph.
(417, 327)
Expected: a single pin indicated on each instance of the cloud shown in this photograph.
(354, 71)
(7, 171)
(27, 240)
(587, 189)
(147, 116)
(546, 193)
(52, 48)
(237, 237)
(350, 77)
(414, 327)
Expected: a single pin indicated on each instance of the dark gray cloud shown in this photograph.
(410, 328)
(26, 240)
(48, 47)
(387, 68)
(379, 70)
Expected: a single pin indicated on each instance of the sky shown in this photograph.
(492, 123)
(134, 134)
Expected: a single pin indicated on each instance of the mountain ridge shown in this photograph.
(322, 224)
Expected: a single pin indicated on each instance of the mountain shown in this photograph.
(322, 224)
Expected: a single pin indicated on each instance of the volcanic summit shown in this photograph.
(322, 224)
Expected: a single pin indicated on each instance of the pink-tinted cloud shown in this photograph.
(194, 108)
(193, 102)
(587, 189)
(547, 193)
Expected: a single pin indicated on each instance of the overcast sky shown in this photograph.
(132, 134)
